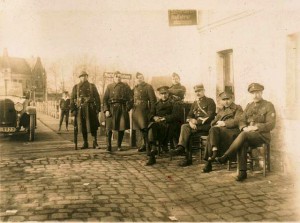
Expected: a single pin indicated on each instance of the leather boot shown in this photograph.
(120, 139)
(187, 161)
(178, 151)
(95, 144)
(241, 176)
(142, 148)
(108, 141)
(207, 168)
(222, 160)
(151, 160)
(85, 145)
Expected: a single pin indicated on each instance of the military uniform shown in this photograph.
(203, 108)
(64, 105)
(118, 100)
(144, 100)
(162, 131)
(85, 102)
(177, 90)
(260, 114)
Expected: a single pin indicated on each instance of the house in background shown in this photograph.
(33, 79)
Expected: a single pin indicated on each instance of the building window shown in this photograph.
(293, 74)
(225, 71)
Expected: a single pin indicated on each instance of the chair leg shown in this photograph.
(228, 165)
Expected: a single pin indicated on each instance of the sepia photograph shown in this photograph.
(149, 111)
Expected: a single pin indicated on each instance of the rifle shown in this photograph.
(75, 130)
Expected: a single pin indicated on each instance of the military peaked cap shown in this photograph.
(163, 89)
(175, 75)
(138, 74)
(225, 94)
(83, 73)
(198, 87)
(255, 87)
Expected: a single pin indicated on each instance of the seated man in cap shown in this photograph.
(202, 112)
(64, 105)
(117, 100)
(163, 121)
(223, 131)
(144, 100)
(85, 103)
(257, 121)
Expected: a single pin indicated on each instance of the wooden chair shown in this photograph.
(263, 154)
(197, 144)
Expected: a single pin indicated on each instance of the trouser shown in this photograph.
(185, 133)
(120, 137)
(220, 138)
(84, 129)
(64, 113)
(241, 144)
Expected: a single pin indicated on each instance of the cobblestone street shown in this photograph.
(91, 185)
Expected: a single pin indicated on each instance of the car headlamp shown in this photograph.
(18, 107)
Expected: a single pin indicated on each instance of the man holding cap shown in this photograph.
(202, 112)
(85, 104)
(223, 131)
(257, 121)
(117, 100)
(163, 119)
(144, 100)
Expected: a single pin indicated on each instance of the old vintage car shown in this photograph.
(16, 112)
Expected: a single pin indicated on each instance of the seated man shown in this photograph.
(223, 131)
(201, 114)
(163, 120)
(256, 123)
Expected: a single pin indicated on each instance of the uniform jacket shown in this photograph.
(231, 116)
(118, 99)
(64, 104)
(167, 109)
(177, 90)
(144, 102)
(117, 92)
(261, 114)
(86, 101)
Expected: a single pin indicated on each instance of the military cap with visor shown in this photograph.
(225, 95)
(255, 87)
(83, 73)
(163, 89)
(198, 87)
(138, 74)
(175, 75)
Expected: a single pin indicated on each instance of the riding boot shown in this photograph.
(95, 144)
(152, 159)
(120, 139)
(187, 161)
(85, 141)
(108, 140)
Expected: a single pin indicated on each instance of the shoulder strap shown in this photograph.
(201, 108)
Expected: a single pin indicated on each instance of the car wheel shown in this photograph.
(32, 128)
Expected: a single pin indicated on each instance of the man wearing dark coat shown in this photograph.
(256, 123)
(117, 100)
(64, 105)
(176, 88)
(163, 121)
(202, 112)
(144, 100)
(85, 104)
(223, 131)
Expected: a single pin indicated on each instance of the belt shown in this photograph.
(137, 102)
(113, 101)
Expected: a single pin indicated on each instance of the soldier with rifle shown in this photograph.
(85, 107)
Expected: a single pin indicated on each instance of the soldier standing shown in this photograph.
(85, 104)
(64, 105)
(257, 121)
(223, 131)
(176, 88)
(117, 100)
(201, 114)
(144, 100)
(163, 121)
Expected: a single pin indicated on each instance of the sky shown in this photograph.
(125, 35)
